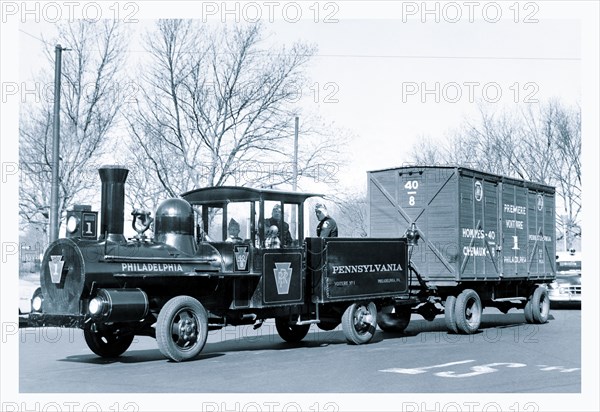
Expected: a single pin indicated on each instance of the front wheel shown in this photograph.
(467, 311)
(181, 328)
(106, 341)
(537, 308)
(393, 319)
(359, 322)
(290, 332)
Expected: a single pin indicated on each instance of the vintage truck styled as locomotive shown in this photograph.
(208, 266)
(192, 276)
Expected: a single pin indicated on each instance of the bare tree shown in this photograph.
(215, 108)
(565, 138)
(352, 208)
(542, 145)
(90, 102)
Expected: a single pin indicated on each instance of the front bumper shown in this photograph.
(565, 293)
(564, 298)
(38, 320)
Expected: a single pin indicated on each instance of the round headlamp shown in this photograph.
(96, 306)
(72, 224)
(36, 303)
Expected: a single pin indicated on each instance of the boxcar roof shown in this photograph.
(473, 172)
(224, 194)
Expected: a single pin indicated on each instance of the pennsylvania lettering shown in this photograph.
(151, 267)
(389, 267)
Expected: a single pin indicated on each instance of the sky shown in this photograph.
(388, 82)
(389, 73)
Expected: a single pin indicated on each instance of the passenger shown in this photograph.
(327, 226)
(233, 229)
(275, 220)
(272, 238)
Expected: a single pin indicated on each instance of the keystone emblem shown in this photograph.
(56, 266)
(241, 257)
(283, 276)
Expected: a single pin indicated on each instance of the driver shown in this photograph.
(275, 220)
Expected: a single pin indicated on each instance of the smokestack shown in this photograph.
(113, 202)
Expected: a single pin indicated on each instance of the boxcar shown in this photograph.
(478, 239)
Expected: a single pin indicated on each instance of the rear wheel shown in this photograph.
(450, 314)
(290, 332)
(181, 328)
(537, 308)
(106, 341)
(467, 311)
(393, 319)
(359, 322)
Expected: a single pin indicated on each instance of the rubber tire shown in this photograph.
(527, 311)
(355, 330)
(467, 311)
(537, 308)
(105, 342)
(177, 312)
(290, 332)
(393, 322)
(450, 314)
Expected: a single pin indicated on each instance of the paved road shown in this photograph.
(507, 356)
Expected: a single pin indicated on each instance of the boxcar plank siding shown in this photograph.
(474, 225)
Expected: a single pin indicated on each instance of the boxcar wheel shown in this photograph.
(528, 312)
(290, 332)
(393, 322)
(537, 308)
(105, 341)
(450, 314)
(181, 328)
(359, 322)
(467, 311)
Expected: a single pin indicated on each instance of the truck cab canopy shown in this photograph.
(222, 209)
(220, 195)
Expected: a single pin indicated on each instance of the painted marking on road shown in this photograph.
(423, 369)
(473, 370)
(479, 370)
(561, 369)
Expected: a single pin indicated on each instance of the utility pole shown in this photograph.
(54, 220)
(295, 171)
(295, 166)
